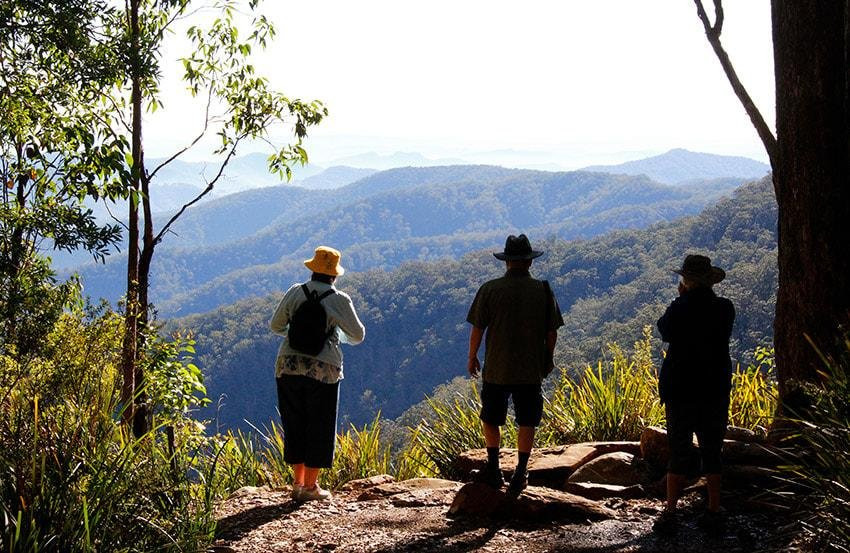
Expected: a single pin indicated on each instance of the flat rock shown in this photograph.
(535, 503)
(548, 466)
(598, 492)
(390, 489)
(365, 483)
(426, 497)
(246, 491)
(618, 468)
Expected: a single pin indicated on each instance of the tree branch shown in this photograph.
(117, 220)
(204, 192)
(712, 32)
(191, 144)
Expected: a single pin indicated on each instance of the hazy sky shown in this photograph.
(569, 81)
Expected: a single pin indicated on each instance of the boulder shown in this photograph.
(390, 489)
(655, 450)
(618, 468)
(535, 503)
(743, 434)
(598, 492)
(610, 447)
(750, 476)
(654, 447)
(548, 466)
(749, 453)
(366, 483)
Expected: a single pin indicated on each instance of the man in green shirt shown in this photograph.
(520, 317)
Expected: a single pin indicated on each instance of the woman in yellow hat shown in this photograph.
(315, 318)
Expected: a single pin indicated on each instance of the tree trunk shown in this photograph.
(129, 351)
(812, 184)
(141, 423)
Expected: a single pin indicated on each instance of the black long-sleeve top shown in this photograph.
(697, 368)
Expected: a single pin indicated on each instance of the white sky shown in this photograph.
(573, 81)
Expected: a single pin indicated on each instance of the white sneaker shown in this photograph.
(314, 494)
(296, 492)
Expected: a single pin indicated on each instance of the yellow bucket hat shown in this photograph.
(325, 261)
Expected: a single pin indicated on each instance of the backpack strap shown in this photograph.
(326, 294)
(314, 295)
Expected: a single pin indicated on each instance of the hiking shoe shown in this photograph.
(667, 523)
(713, 522)
(296, 492)
(490, 476)
(519, 481)
(316, 493)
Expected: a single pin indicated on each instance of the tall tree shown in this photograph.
(810, 158)
(240, 106)
(53, 154)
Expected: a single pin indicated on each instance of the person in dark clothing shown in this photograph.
(695, 378)
(520, 317)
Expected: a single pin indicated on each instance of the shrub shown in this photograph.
(454, 427)
(755, 394)
(822, 467)
(71, 476)
(615, 400)
(360, 453)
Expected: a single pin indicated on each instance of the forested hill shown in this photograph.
(252, 243)
(680, 166)
(608, 288)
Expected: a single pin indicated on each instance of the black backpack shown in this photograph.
(308, 325)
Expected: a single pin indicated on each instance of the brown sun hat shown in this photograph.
(699, 269)
(325, 261)
(517, 247)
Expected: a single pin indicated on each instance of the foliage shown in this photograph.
(53, 154)
(71, 476)
(615, 400)
(755, 395)
(175, 384)
(453, 428)
(360, 453)
(822, 467)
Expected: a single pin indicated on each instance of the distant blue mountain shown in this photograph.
(682, 167)
(334, 177)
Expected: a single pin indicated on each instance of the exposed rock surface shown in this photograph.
(599, 492)
(261, 520)
(535, 503)
(548, 466)
(618, 468)
(748, 448)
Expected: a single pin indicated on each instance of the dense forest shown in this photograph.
(251, 243)
(608, 287)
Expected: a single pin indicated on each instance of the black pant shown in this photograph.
(706, 420)
(308, 410)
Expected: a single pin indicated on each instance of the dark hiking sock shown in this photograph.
(493, 458)
(522, 462)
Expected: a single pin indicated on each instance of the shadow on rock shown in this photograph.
(233, 527)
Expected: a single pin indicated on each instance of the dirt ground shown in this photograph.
(264, 520)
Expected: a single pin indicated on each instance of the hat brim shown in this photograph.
(716, 275)
(516, 257)
(313, 265)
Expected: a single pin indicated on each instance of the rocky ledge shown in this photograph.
(583, 497)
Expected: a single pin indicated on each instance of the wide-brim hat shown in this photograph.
(700, 269)
(516, 248)
(325, 261)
